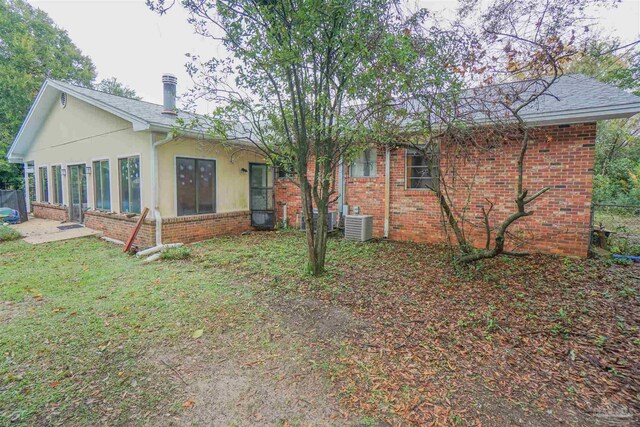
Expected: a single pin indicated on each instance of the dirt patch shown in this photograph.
(312, 317)
(218, 383)
(11, 310)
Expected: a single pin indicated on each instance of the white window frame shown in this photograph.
(434, 177)
(374, 162)
(175, 182)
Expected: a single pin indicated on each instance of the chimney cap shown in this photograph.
(169, 78)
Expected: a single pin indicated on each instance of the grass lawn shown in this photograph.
(232, 332)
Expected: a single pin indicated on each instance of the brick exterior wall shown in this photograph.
(560, 157)
(49, 211)
(183, 229)
(120, 227)
(188, 229)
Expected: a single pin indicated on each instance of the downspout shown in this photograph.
(340, 188)
(387, 191)
(156, 186)
(27, 194)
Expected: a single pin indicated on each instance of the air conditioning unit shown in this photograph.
(358, 227)
(331, 220)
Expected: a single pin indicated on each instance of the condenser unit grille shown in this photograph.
(358, 227)
(331, 221)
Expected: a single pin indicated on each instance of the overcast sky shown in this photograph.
(126, 40)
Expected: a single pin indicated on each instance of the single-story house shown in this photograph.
(98, 159)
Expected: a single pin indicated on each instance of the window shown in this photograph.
(364, 165)
(44, 184)
(195, 186)
(56, 172)
(129, 184)
(101, 185)
(422, 170)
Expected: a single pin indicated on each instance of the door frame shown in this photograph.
(273, 196)
(69, 187)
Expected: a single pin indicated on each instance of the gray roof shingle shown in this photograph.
(571, 98)
(143, 110)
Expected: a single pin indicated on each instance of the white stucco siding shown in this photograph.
(80, 134)
(232, 183)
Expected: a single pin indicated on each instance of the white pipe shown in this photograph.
(27, 195)
(156, 186)
(387, 191)
(284, 213)
(158, 248)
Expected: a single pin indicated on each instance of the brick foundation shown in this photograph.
(49, 211)
(188, 229)
(560, 157)
(119, 226)
(183, 229)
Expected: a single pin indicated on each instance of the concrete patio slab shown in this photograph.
(38, 230)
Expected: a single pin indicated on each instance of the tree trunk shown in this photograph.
(307, 214)
(321, 240)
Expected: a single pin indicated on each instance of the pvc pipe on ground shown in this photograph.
(158, 248)
(110, 240)
(152, 258)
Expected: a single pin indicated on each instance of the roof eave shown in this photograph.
(583, 115)
(10, 153)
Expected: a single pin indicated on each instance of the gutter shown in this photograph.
(387, 191)
(156, 186)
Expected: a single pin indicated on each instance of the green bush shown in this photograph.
(8, 234)
(178, 253)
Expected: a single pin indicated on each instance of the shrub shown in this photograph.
(178, 253)
(8, 234)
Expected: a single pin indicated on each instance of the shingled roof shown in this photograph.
(571, 99)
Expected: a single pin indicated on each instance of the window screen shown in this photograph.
(365, 164)
(56, 172)
(44, 184)
(102, 185)
(421, 169)
(129, 184)
(195, 186)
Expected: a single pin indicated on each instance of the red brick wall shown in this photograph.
(560, 157)
(49, 211)
(184, 229)
(368, 194)
(187, 229)
(120, 227)
(286, 191)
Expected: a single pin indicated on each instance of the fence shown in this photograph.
(14, 199)
(616, 228)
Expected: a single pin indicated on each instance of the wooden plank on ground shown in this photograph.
(135, 231)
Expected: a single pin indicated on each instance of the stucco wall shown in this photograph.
(81, 133)
(232, 184)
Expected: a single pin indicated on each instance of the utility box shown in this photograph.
(358, 227)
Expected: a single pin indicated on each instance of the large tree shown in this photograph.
(32, 48)
(113, 86)
(520, 50)
(617, 165)
(304, 81)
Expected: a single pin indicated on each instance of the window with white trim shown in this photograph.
(364, 166)
(43, 178)
(102, 185)
(421, 169)
(56, 182)
(195, 186)
(129, 184)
